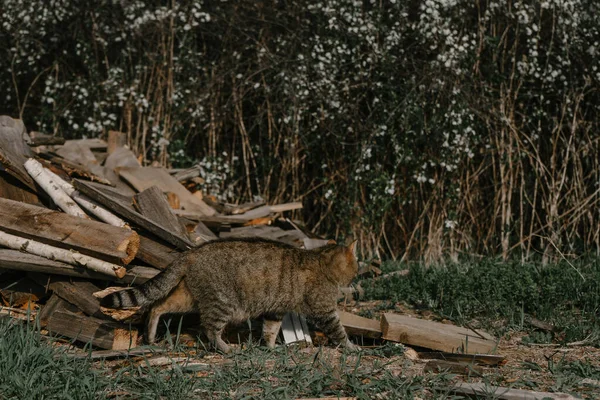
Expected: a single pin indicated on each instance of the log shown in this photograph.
(359, 326)
(14, 151)
(435, 335)
(111, 199)
(39, 139)
(153, 204)
(504, 393)
(88, 204)
(55, 253)
(46, 182)
(96, 239)
(19, 261)
(100, 333)
(143, 177)
(187, 174)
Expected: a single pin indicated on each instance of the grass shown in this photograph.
(492, 290)
(486, 292)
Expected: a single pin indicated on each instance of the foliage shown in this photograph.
(424, 128)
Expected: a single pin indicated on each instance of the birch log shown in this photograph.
(87, 203)
(55, 253)
(43, 178)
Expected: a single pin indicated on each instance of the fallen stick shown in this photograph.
(46, 182)
(87, 203)
(55, 253)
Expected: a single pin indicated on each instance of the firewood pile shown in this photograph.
(77, 216)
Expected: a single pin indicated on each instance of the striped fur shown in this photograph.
(232, 280)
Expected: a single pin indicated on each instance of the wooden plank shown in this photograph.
(116, 140)
(13, 189)
(122, 205)
(93, 238)
(79, 293)
(504, 393)
(77, 152)
(144, 177)
(13, 149)
(54, 303)
(297, 326)
(19, 261)
(156, 253)
(356, 325)
(100, 333)
(153, 204)
(485, 359)
(435, 335)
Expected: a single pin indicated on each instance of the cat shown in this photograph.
(231, 280)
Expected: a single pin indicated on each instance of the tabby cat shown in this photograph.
(232, 280)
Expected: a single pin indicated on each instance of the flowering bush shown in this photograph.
(425, 128)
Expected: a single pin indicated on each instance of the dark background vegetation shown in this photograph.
(427, 129)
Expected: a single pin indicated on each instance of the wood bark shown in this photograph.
(96, 239)
(88, 204)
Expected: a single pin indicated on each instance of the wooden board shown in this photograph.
(13, 189)
(144, 177)
(111, 199)
(13, 149)
(18, 261)
(93, 238)
(293, 330)
(435, 335)
(356, 325)
(100, 333)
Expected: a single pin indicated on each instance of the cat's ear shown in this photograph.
(352, 247)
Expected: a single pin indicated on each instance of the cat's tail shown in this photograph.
(149, 292)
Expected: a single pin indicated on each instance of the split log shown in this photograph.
(46, 182)
(435, 335)
(87, 203)
(96, 239)
(14, 151)
(98, 332)
(120, 157)
(356, 325)
(187, 174)
(121, 205)
(54, 253)
(80, 294)
(504, 393)
(153, 204)
(310, 244)
(156, 253)
(144, 177)
(54, 303)
(19, 261)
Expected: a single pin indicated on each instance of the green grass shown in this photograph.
(31, 369)
(492, 290)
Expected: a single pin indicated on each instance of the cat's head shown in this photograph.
(341, 262)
